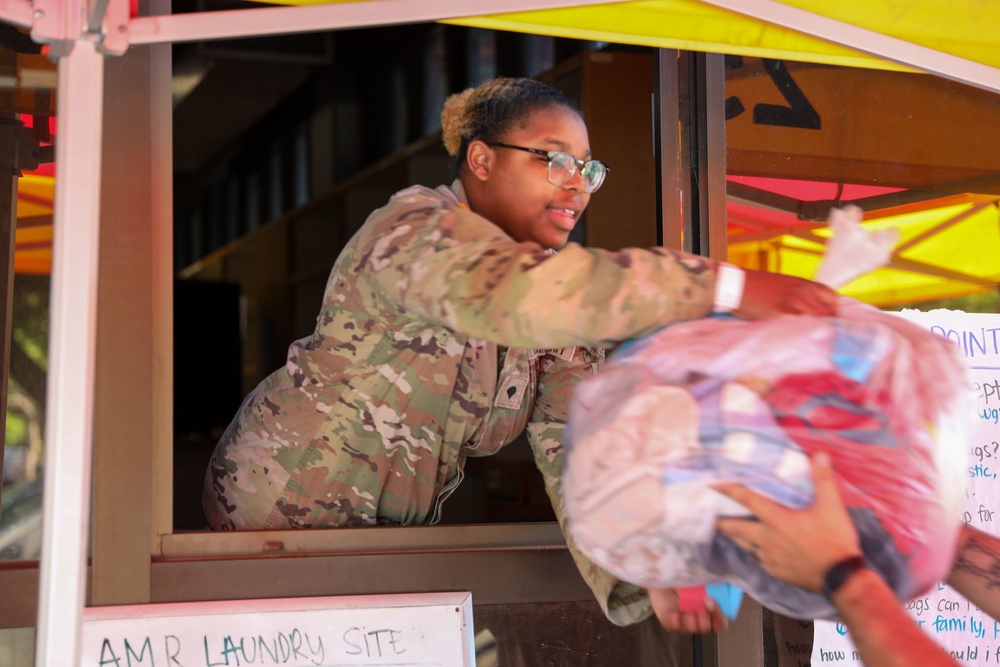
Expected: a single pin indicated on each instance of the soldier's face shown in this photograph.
(524, 203)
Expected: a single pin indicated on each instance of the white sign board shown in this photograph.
(971, 636)
(420, 630)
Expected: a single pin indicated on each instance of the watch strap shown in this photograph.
(840, 573)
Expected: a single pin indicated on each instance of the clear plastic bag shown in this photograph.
(723, 399)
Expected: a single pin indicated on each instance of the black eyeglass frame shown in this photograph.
(580, 164)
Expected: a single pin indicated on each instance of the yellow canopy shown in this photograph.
(947, 248)
(33, 235)
(962, 28)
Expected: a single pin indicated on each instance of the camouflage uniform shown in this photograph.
(372, 417)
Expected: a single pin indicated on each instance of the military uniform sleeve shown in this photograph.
(622, 603)
(450, 266)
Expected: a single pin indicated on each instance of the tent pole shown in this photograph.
(315, 18)
(669, 186)
(711, 140)
(875, 43)
(17, 12)
(70, 392)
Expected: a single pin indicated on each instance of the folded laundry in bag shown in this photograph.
(728, 400)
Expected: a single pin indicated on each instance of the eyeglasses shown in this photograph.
(563, 165)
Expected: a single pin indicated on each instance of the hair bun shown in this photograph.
(455, 120)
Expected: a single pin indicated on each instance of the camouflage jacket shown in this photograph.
(439, 338)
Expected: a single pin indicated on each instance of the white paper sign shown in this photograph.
(420, 630)
(971, 636)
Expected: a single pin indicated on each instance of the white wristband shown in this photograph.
(728, 288)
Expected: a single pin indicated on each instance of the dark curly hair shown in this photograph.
(489, 110)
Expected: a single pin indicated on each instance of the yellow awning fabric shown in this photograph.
(35, 195)
(33, 234)
(33, 249)
(963, 28)
(677, 24)
(947, 248)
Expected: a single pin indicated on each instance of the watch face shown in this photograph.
(839, 573)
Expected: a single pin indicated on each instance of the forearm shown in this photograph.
(510, 294)
(457, 269)
(883, 633)
(976, 570)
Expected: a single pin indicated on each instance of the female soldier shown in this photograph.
(450, 325)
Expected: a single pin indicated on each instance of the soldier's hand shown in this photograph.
(767, 294)
(666, 606)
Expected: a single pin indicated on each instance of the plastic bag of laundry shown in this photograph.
(727, 400)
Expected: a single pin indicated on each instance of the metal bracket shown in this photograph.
(60, 23)
(16, 12)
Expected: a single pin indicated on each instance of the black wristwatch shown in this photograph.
(841, 572)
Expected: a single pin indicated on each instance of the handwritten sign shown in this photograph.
(425, 630)
(969, 635)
